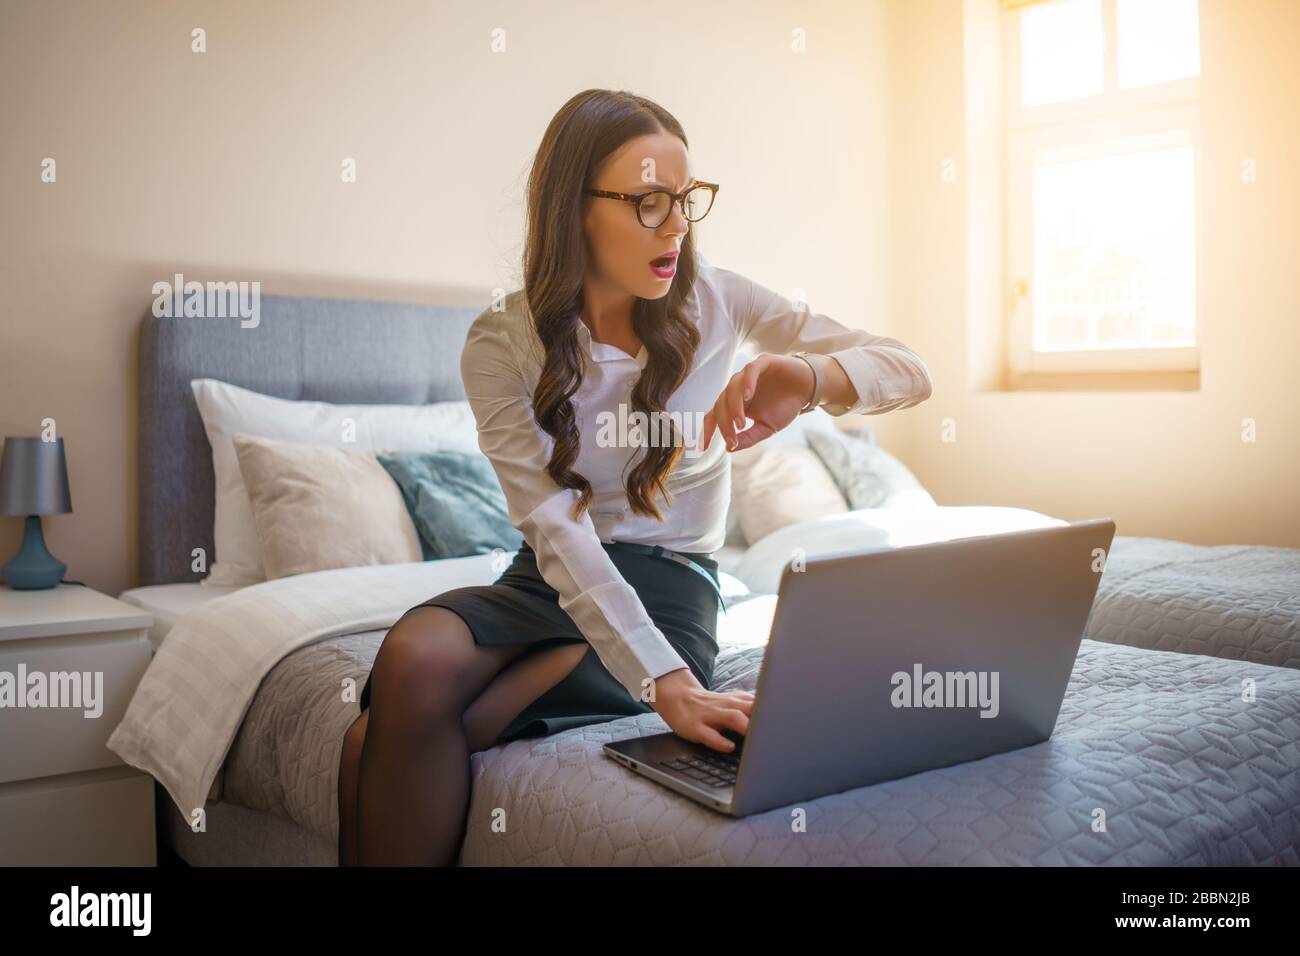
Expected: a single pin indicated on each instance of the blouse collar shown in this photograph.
(604, 352)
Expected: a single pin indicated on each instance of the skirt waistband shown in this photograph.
(704, 556)
(701, 563)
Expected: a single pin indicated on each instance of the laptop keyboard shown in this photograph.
(713, 769)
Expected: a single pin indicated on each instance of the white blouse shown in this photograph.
(500, 367)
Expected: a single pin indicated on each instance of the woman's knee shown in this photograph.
(354, 740)
(422, 664)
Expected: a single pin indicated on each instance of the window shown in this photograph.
(1102, 146)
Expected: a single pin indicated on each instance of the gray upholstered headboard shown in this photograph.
(332, 350)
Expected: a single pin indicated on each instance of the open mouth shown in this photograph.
(665, 266)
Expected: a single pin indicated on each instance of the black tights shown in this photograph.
(435, 698)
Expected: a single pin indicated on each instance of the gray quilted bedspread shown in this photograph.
(1236, 601)
(1157, 758)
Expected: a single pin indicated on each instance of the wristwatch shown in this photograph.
(818, 382)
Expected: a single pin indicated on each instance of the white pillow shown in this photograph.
(793, 435)
(871, 529)
(775, 485)
(227, 409)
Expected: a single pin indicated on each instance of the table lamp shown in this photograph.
(34, 482)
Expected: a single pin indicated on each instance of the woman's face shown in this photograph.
(622, 248)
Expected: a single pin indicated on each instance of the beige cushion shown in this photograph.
(776, 485)
(317, 508)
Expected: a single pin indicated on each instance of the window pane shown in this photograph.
(1114, 252)
(1061, 51)
(1159, 40)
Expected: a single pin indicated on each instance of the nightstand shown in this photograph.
(65, 798)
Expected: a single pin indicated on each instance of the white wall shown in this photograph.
(225, 165)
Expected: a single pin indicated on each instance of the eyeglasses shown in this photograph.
(653, 208)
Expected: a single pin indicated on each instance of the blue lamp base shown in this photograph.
(33, 567)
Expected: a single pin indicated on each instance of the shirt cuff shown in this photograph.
(655, 657)
(882, 380)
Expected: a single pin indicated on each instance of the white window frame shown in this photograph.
(1109, 123)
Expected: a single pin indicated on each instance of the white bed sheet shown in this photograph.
(169, 602)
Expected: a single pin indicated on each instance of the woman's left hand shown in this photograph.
(770, 390)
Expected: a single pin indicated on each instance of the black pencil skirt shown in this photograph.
(520, 607)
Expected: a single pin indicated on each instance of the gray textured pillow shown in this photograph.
(866, 474)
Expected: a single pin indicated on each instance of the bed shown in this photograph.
(1155, 736)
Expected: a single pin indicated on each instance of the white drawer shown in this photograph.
(46, 741)
(101, 818)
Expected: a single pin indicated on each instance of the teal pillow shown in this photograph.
(455, 500)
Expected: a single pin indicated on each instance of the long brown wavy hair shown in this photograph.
(590, 127)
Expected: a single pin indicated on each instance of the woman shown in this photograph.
(617, 319)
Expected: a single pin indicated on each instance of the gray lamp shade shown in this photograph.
(34, 477)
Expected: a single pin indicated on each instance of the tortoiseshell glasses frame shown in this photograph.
(637, 199)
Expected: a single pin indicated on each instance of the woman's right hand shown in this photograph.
(696, 713)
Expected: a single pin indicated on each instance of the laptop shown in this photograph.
(888, 662)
